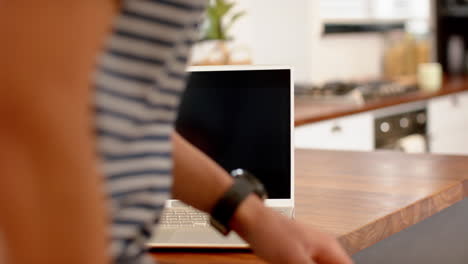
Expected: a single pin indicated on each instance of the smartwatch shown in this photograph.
(244, 184)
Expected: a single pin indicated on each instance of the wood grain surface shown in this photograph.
(311, 111)
(361, 197)
(194, 257)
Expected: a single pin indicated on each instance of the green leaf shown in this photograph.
(216, 14)
(233, 19)
(223, 7)
(212, 29)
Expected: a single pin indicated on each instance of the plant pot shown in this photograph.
(212, 52)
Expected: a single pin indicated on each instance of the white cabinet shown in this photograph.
(447, 128)
(368, 10)
(448, 124)
(354, 132)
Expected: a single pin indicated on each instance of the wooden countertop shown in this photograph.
(361, 197)
(310, 112)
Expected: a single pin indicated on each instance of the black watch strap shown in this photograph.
(225, 208)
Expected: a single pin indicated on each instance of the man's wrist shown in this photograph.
(247, 215)
(225, 208)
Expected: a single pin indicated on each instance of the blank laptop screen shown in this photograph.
(241, 119)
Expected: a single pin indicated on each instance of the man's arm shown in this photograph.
(200, 182)
(51, 198)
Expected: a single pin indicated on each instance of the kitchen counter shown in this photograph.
(361, 197)
(310, 112)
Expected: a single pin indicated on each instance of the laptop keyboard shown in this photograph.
(184, 217)
(176, 217)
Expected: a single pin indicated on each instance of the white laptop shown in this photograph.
(242, 117)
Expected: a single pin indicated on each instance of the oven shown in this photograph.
(402, 129)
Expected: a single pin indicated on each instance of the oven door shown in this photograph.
(405, 132)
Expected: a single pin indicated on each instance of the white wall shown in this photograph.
(279, 32)
(289, 32)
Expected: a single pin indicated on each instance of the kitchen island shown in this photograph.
(384, 207)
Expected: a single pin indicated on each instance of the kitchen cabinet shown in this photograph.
(354, 132)
(448, 124)
(374, 10)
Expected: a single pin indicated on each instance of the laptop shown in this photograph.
(241, 117)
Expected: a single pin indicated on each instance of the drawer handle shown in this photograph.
(336, 129)
(455, 100)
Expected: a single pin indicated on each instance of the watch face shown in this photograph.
(259, 189)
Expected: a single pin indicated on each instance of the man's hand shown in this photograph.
(277, 239)
(272, 236)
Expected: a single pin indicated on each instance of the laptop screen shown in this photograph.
(241, 119)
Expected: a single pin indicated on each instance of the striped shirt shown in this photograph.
(140, 79)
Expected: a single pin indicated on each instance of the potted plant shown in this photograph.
(220, 18)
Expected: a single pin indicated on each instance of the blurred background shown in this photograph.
(369, 74)
(323, 39)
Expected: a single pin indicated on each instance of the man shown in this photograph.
(51, 200)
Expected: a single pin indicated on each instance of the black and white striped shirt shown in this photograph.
(138, 87)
